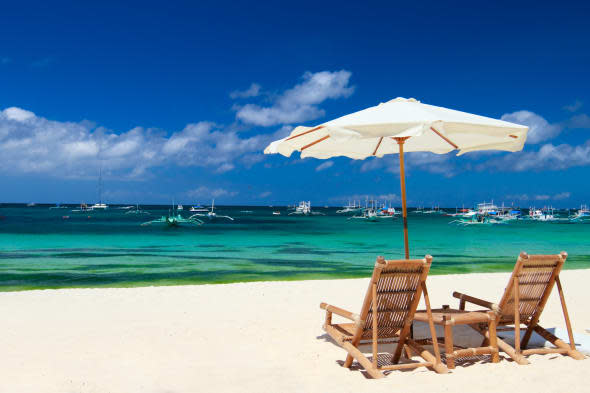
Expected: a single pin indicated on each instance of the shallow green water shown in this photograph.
(41, 249)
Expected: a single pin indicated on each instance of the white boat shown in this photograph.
(211, 215)
(136, 210)
(99, 205)
(198, 208)
(542, 215)
(582, 214)
(487, 208)
(179, 207)
(304, 209)
(276, 213)
(83, 208)
(434, 210)
(372, 215)
(354, 208)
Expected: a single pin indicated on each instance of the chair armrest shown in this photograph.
(339, 311)
(466, 298)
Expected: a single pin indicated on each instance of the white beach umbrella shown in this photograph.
(398, 126)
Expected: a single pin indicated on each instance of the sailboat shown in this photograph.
(99, 205)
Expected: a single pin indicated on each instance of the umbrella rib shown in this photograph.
(445, 138)
(378, 144)
(304, 133)
(313, 143)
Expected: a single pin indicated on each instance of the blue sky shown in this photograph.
(178, 100)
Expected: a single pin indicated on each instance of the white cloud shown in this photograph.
(299, 103)
(324, 165)
(548, 157)
(206, 192)
(539, 129)
(562, 195)
(252, 91)
(541, 197)
(362, 198)
(17, 114)
(33, 144)
(579, 121)
(573, 107)
(425, 161)
(265, 194)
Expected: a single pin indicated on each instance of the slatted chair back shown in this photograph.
(392, 302)
(529, 286)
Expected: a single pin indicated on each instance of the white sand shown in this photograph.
(253, 337)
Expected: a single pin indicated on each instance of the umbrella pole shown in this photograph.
(402, 177)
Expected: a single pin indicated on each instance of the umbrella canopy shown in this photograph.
(401, 125)
(370, 132)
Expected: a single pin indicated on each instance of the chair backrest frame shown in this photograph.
(534, 276)
(399, 285)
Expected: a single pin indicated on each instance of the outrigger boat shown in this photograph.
(137, 210)
(83, 208)
(350, 208)
(373, 215)
(581, 215)
(304, 209)
(174, 220)
(211, 215)
(478, 219)
(434, 210)
(546, 214)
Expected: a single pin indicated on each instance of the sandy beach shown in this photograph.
(255, 337)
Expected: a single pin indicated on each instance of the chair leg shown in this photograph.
(362, 359)
(502, 345)
(558, 343)
(493, 338)
(449, 347)
(408, 351)
(348, 361)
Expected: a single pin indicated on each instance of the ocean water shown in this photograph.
(39, 248)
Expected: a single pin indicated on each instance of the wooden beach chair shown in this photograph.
(523, 301)
(387, 312)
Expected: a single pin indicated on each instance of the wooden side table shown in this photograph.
(448, 317)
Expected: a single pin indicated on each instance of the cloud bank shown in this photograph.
(299, 103)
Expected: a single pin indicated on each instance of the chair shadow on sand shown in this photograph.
(464, 337)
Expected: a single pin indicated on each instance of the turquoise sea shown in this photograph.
(40, 248)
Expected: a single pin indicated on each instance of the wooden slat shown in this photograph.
(315, 142)
(377, 147)
(544, 351)
(304, 133)
(406, 366)
(445, 138)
